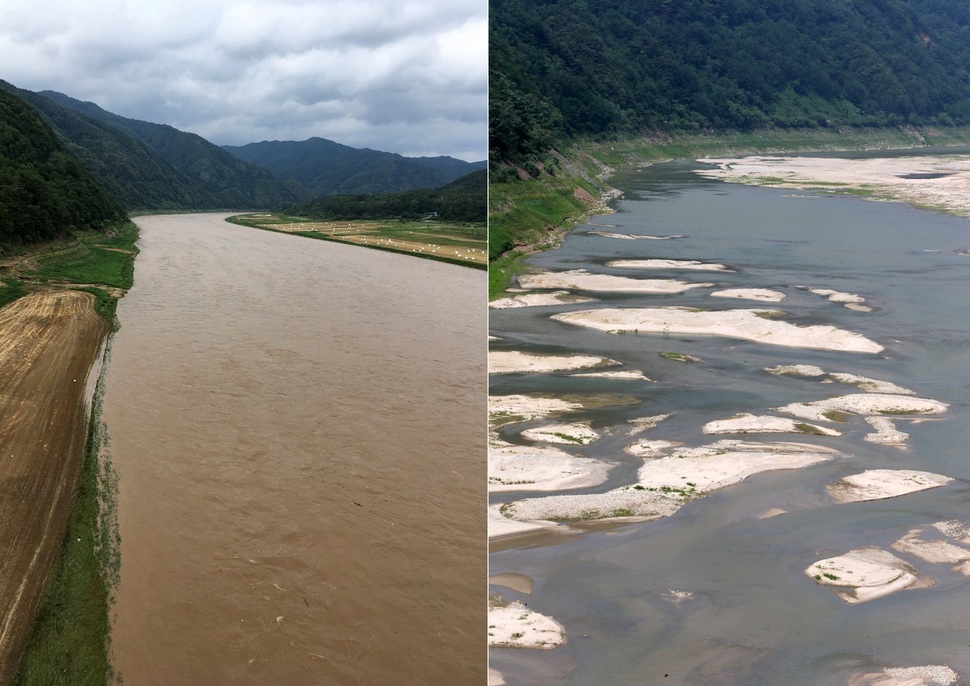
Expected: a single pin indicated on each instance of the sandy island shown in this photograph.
(750, 325)
(940, 182)
(696, 265)
(876, 484)
(515, 362)
(866, 574)
(541, 468)
(539, 300)
(757, 294)
(516, 626)
(580, 279)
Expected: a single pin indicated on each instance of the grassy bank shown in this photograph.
(68, 644)
(533, 212)
(461, 243)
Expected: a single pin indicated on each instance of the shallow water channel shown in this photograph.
(297, 429)
(755, 617)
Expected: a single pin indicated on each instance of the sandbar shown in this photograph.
(503, 409)
(865, 404)
(573, 434)
(580, 279)
(539, 300)
(862, 575)
(931, 551)
(923, 675)
(633, 236)
(876, 484)
(758, 294)
(745, 423)
(696, 265)
(941, 182)
(886, 432)
(750, 325)
(516, 362)
(516, 626)
(541, 468)
(623, 375)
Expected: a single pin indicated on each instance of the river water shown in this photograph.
(297, 430)
(755, 617)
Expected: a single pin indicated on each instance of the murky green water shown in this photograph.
(756, 618)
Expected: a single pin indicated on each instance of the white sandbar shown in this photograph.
(865, 404)
(517, 362)
(623, 375)
(669, 264)
(581, 279)
(539, 300)
(886, 432)
(504, 408)
(726, 462)
(876, 484)
(923, 675)
(641, 424)
(759, 294)
(570, 434)
(862, 575)
(932, 551)
(516, 626)
(759, 424)
(742, 324)
(648, 448)
(633, 236)
(541, 468)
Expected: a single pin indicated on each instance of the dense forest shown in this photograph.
(601, 67)
(463, 200)
(44, 191)
(329, 168)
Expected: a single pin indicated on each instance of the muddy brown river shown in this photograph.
(298, 431)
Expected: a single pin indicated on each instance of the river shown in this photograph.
(297, 431)
(745, 611)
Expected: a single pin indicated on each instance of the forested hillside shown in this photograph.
(463, 200)
(598, 67)
(44, 192)
(227, 181)
(329, 168)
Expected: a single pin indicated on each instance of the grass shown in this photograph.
(679, 357)
(90, 258)
(69, 642)
(501, 271)
(453, 242)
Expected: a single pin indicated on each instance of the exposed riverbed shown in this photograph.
(297, 429)
(722, 588)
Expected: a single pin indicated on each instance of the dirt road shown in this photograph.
(48, 342)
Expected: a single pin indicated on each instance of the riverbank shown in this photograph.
(55, 583)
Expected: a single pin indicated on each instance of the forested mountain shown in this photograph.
(44, 191)
(225, 180)
(465, 200)
(329, 168)
(595, 67)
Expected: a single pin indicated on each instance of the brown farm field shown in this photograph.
(49, 341)
(455, 242)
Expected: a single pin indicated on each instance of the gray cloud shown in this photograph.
(395, 75)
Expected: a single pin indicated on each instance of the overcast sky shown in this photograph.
(395, 75)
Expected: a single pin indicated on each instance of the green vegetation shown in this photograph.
(679, 357)
(836, 416)
(44, 192)
(463, 200)
(809, 429)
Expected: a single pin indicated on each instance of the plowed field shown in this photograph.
(48, 343)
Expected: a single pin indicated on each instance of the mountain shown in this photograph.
(44, 191)
(329, 168)
(598, 67)
(464, 199)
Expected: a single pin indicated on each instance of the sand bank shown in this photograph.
(945, 182)
(865, 404)
(541, 468)
(641, 424)
(539, 300)
(935, 552)
(627, 375)
(850, 300)
(696, 265)
(651, 448)
(516, 626)
(863, 383)
(886, 432)
(923, 675)
(500, 526)
(580, 279)
(750, 325)
(516, 362)
(876, 484)
(571, 434)
(866, 574)
(758, 424)
(758, 294)
(633, 236)
(503, 409)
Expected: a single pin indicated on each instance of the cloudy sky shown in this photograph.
(401, 76)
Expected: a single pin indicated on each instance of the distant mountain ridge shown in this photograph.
(329, 168)
(218, 179)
